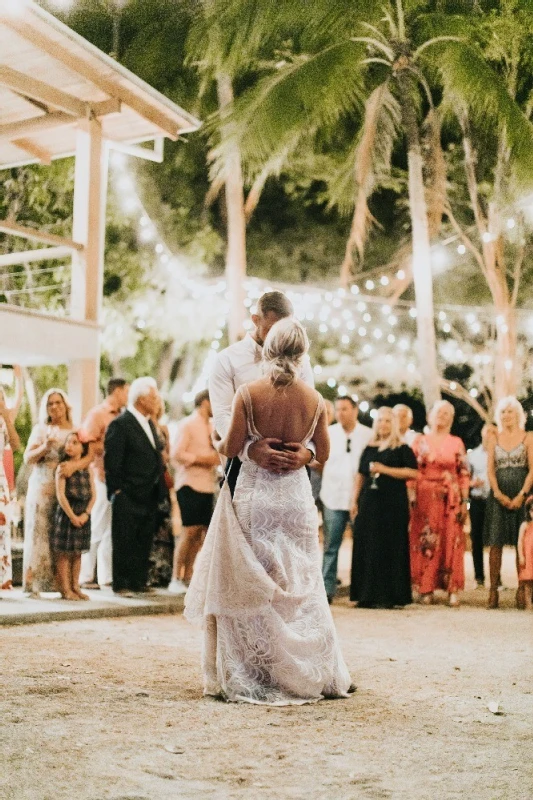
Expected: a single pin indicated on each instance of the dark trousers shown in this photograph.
(233, 467)
(477, 521)
(133, 527)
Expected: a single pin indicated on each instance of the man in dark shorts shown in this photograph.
(196, 461)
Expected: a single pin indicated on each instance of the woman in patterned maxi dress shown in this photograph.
(8, 435)
(42, 451)
(257, 588)
(437, 537)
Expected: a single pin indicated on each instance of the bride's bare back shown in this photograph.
(285, 413)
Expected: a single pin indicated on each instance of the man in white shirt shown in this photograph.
(479, 492)
(348, 439)
(242, 363)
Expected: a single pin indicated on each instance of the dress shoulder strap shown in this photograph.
(318, 411)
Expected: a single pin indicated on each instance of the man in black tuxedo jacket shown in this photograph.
(134, 478)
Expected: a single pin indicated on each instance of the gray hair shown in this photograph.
(504, 403)
(437, 406)
(283, 350)
(44, 417)
(402, 407)
(140, 388)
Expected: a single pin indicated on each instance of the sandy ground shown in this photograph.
(112, 709)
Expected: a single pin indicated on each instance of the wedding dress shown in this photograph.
(257, 589)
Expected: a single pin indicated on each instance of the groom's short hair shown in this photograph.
(275, 302)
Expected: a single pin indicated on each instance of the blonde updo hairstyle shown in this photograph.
(512, 402)
(283, 350)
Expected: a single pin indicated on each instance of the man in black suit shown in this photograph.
(134, 478)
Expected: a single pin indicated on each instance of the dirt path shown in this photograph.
(88, 707)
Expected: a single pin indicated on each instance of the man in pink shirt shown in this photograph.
(93, 431)
(196, 461)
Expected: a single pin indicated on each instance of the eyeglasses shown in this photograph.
(348, 445)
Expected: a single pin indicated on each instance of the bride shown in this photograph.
(257, 588)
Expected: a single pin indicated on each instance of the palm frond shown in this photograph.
(375, 44)
(466, 77)
(309, 92)
(371, 163)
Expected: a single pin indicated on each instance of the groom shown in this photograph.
(241, 363)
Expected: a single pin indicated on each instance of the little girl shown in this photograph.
(525, 555)
(71, 531)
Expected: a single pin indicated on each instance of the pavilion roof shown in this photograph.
(51, 78)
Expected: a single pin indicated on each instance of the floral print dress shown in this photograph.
(38, 573)
(5, 529)
(437, 539)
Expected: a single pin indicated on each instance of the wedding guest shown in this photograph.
(42, 452)
(315, 468)
(404, 418)
(196, 461)
(135, 485)
(96, 564)
(479, 492)
(241, 363)
(8, 435)
(71, 532)
(510, 471)
(161, 557)
(439, 513)
(348, 439)
(14, 407)
(525, 556)
(380, 512)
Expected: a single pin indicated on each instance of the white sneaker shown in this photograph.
(176, 587)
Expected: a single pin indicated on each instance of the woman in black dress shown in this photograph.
(380, 512)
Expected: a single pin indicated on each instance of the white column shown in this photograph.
(90, 195)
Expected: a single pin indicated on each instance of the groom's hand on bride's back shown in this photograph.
(267, 453)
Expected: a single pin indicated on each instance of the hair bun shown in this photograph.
(284, 348)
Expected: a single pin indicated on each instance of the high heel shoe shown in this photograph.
(493, 599)
(453, 600)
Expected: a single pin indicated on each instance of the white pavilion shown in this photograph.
(62, 97)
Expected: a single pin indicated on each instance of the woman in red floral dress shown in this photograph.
(436, 534)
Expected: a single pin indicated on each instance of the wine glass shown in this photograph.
(375, 476)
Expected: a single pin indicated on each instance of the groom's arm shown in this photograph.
(221, 394)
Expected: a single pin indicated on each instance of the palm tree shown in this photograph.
(226, 40)
(381, 67)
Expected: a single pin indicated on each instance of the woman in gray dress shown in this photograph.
(510, 473)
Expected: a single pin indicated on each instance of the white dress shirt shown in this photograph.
(237, 364)
(477, 459)
(342, 466)
(409, 436)
(143, 422)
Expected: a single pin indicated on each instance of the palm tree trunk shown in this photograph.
(236, 219)
(422, 277)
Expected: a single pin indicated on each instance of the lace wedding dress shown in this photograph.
(257, 589)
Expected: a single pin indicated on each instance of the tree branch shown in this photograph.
(460, 393)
